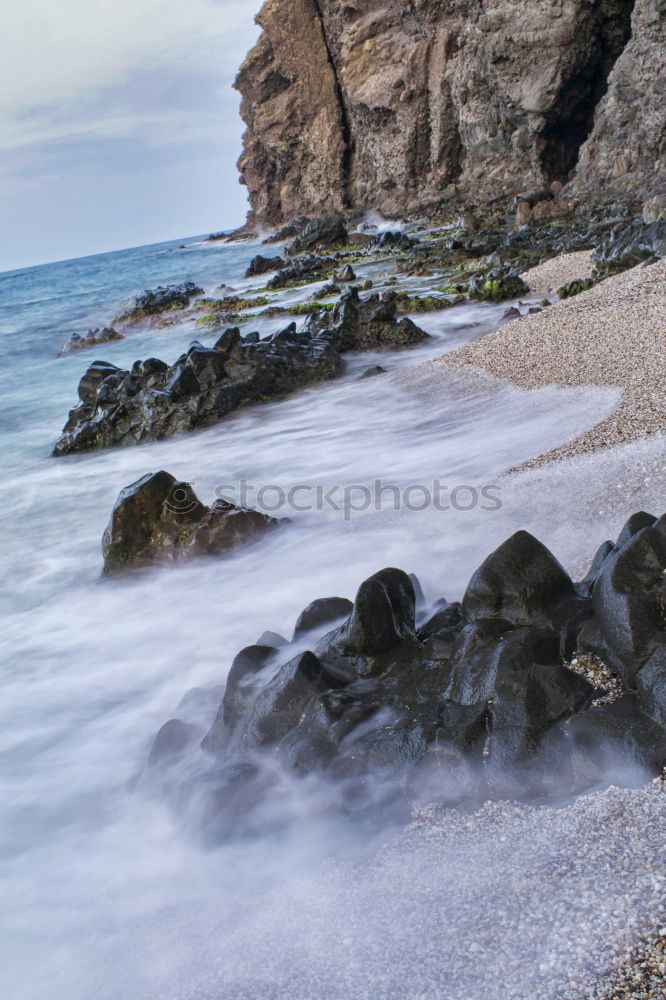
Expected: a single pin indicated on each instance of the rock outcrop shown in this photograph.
(532, 685)
(155, 400)
(398, 106)
(160, 520)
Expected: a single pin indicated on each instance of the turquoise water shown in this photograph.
(105, 894)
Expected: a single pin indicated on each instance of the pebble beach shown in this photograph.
(613, 335)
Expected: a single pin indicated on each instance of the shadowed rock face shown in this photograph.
(392, 105)
(481, 697)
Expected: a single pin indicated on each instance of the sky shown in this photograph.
(118, 123)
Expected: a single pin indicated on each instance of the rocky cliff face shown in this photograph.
(401, 104)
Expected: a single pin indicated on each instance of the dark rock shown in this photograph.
(240, 688)
(392, 241)
(93, 338)
(322, 612)
(263, 265)
(651, 686)
(329, 230)
(628, 246)
(301, 270)
(520, 582)
(172, 740)
(616, 742)
(633, 525)
(346, 274)
(475, 702)
(363, 324)
(498, 285)
(272, 639)
(511, 313)
(374, 370)
(628, 601)
(584, 588)
(158, 300)
(160, 520)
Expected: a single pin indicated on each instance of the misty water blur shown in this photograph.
(104, 894)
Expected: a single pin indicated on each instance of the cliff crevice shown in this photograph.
(405, 105)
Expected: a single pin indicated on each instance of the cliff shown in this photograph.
(403, 104)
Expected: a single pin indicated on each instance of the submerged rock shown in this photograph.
(159, 520)
(92, 339)
(482, 690)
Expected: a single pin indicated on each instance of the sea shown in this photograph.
(108, 892)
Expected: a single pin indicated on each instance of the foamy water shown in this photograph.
(105, 894)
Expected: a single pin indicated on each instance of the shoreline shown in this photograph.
(611, 335)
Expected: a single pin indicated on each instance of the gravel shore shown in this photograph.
(612, 335)
(546, 278)
(509, 902)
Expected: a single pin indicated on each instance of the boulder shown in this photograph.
(358, 324)
(263, 265)
(158, 300)
(93, 338)
(326, 231)
(497, 286)
(521, 582)
(159, 520)
(322, 612)
(628, 602)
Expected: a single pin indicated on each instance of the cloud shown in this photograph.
(68, 66)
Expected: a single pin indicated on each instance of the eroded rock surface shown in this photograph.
(395, 106)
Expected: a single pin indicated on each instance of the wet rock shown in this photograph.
(362, 324)
(391, 241)
(629, 600)
(172, 740)
(159, 520)
(497, 286)
(521, 582)
(240, 687)
(630, 245)
(92, 339)
(585, 586)
(272, 639)
(373, 371)
(575, 287)
(263, 265)
(322, 612)
(201, 388)
(476, 701)
(326, 231)
(616, 742)
(301, 270)
(158, 300)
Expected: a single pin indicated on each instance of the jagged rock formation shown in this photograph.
(396, 105)
(531, 686)
(155, 400)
